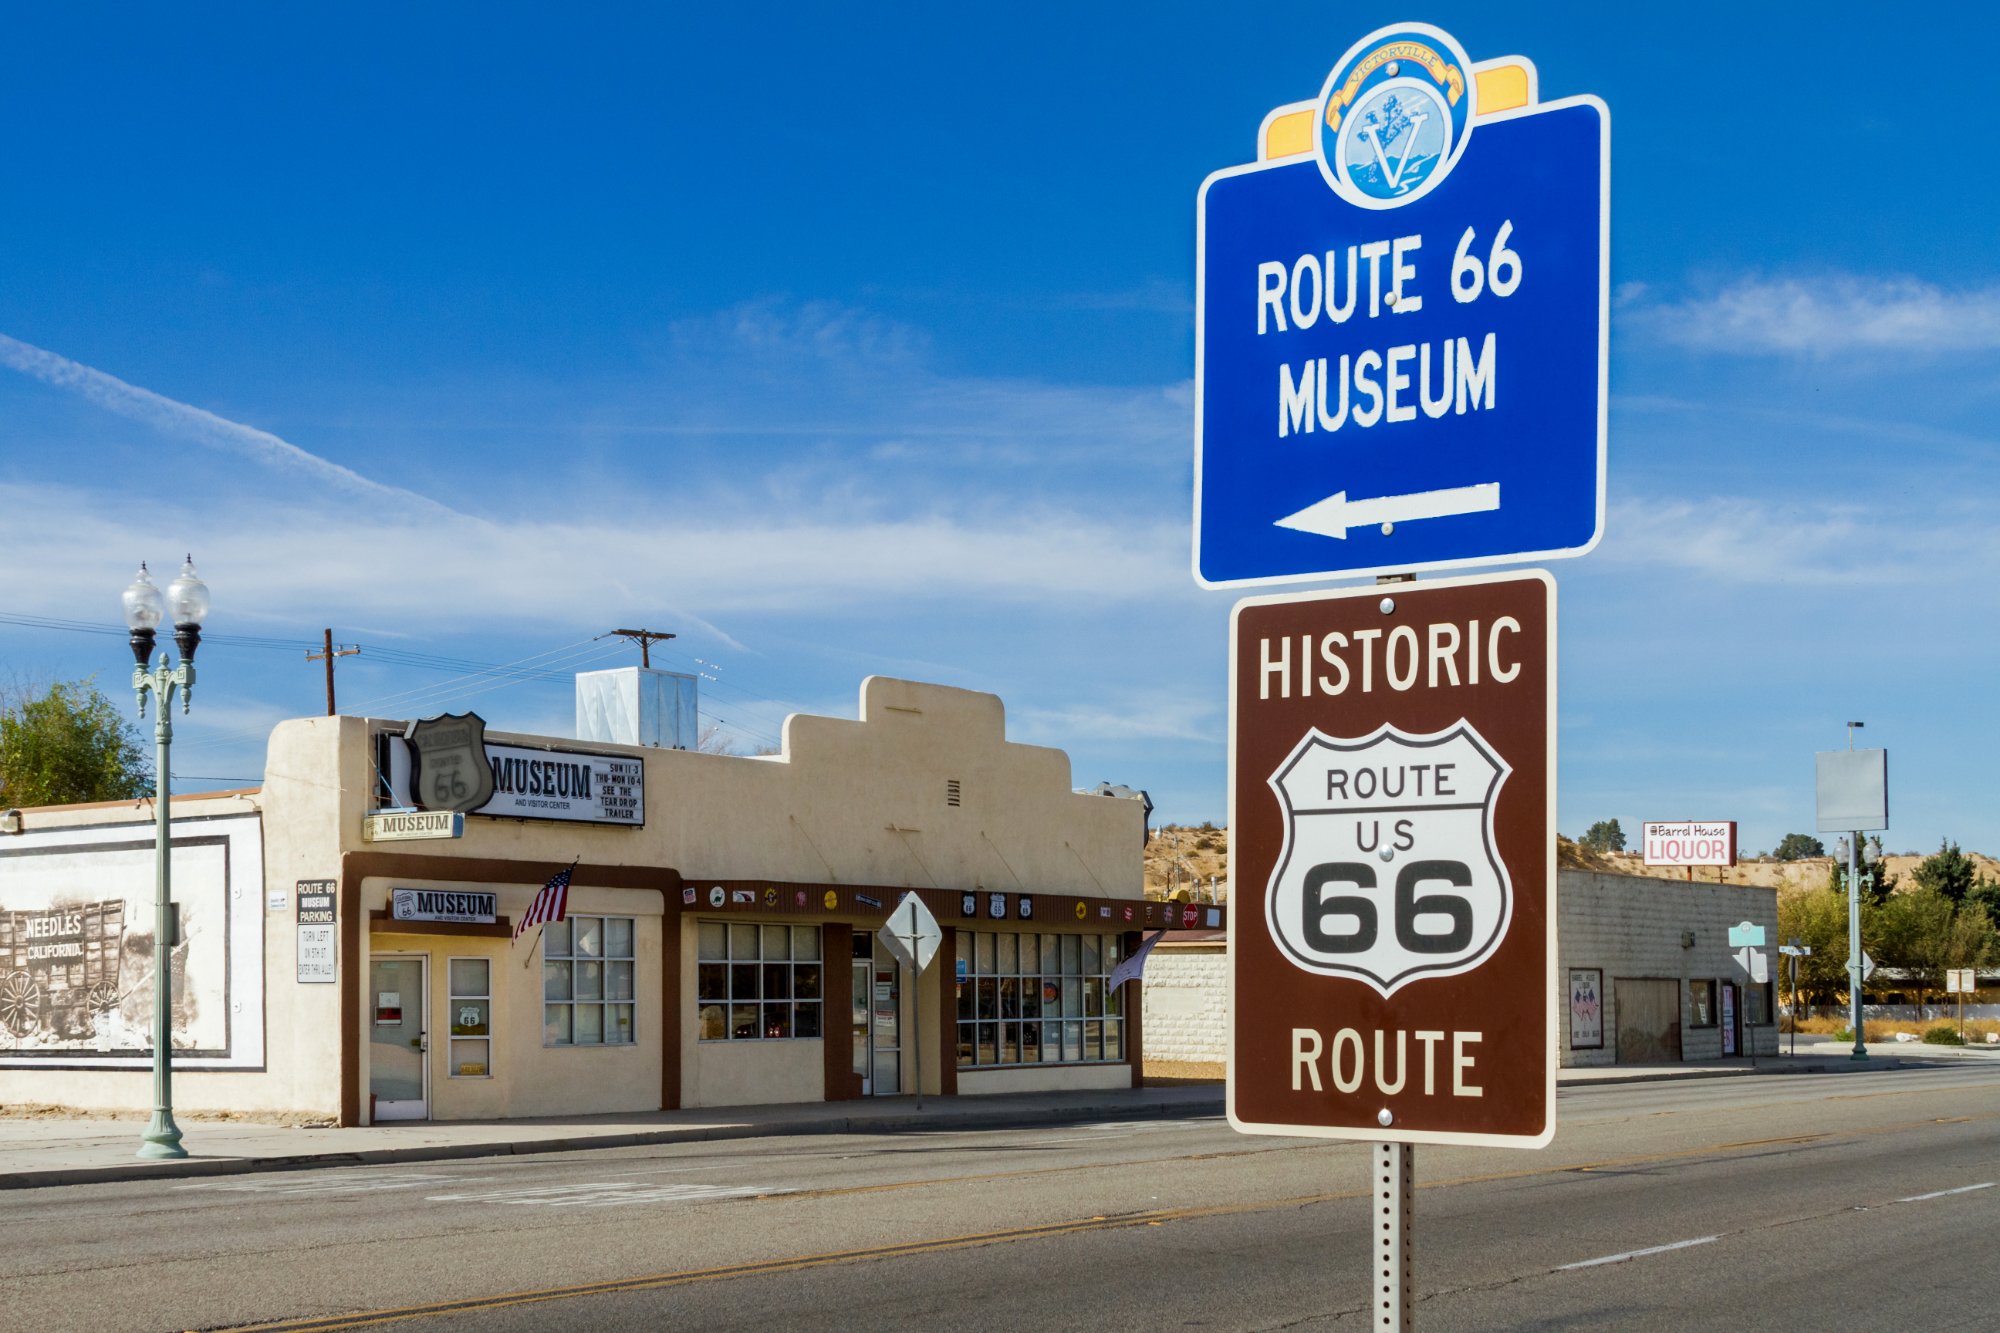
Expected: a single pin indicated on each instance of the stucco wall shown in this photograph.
(922, 790)
(973, 1082)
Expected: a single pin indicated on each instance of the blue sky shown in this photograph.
(848, 342)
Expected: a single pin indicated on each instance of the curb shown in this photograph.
(199, 1167)
(900, 1123)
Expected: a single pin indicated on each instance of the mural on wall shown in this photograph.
(77, 923)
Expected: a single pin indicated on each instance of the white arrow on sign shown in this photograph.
(1867, 965)
(1333, 516)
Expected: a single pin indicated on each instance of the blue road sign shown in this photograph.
(1401, 332)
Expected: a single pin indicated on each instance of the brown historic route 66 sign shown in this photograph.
(1392, 811)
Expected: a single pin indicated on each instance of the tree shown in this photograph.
(1817, 919)
(1603, 836)
(68, 744)
(1923, 932)
(1797, 846)
(1948, 871)
(1985, 896)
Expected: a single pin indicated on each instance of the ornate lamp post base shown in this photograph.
(162, 1139)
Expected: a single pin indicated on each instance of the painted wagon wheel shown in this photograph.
(20, 1003)
(102, 998)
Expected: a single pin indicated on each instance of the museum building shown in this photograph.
(349, 947)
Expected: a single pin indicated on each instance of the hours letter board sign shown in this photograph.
(1392, 804)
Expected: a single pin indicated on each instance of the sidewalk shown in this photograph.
(44, 1152)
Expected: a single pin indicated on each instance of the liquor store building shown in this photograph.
(721, 943)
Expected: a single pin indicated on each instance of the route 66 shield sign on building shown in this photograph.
(1392, 801)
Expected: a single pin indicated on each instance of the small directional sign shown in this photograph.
(912, 933)
(1401, 324)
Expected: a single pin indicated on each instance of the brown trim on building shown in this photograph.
(670, 1000)
(868, 905)
(947, 965)
(381, 923)
(836, 978)
(357, 866)
(1133, 1009)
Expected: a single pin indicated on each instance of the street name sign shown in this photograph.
(1401, 324)
(1392, 810)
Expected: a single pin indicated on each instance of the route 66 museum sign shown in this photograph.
(1392, 790)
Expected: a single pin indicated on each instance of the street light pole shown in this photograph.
(1854, 976)
(186, 601)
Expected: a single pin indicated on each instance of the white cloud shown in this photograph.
(192, 423)
(1734, 540)
(1836, 314)
(357, 565)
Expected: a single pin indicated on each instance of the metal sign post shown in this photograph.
(1395, 1257)
(1401, 315)
(912, 935)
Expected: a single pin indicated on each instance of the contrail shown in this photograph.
(192, 423)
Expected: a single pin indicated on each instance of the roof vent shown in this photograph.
(951, 791)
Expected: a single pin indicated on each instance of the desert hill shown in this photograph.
(1184, 856)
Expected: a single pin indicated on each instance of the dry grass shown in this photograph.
(1166, 1073)
(1885, 1029)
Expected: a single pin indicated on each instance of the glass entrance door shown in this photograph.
(877, 1023)
(864, 1048)
(398, 1039)
(886, 1079)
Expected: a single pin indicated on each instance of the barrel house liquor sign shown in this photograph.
(1391, 792)
(1690, 843)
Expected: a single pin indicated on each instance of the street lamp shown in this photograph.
(186, 604)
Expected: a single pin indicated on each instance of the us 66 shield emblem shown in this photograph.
(1389, 871)
(1392, 803)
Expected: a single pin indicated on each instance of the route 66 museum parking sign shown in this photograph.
(1392, 788)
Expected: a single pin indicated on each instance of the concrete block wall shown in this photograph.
(1185, 991)
(1632, 926)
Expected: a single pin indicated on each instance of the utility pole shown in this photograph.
(326, 655)
(645, 638)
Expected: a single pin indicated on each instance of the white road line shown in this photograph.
(1640, 1254)
(1939, 1194)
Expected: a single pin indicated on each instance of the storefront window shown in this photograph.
(1757, 1004)
(1038, 999)
(757, 983)
(471, 1017)
(587, 982)
(1702, 1002)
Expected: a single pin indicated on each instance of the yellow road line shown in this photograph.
(1112, 1222)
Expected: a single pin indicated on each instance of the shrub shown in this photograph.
(1943, 1036)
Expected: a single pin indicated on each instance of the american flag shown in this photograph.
(551, 903)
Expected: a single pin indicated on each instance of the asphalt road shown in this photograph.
(1838, 1201)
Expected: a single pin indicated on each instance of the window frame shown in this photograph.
(452, 997)
(1061, 1013)
(757, 973)
(604, 1001)
(1696, 986)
